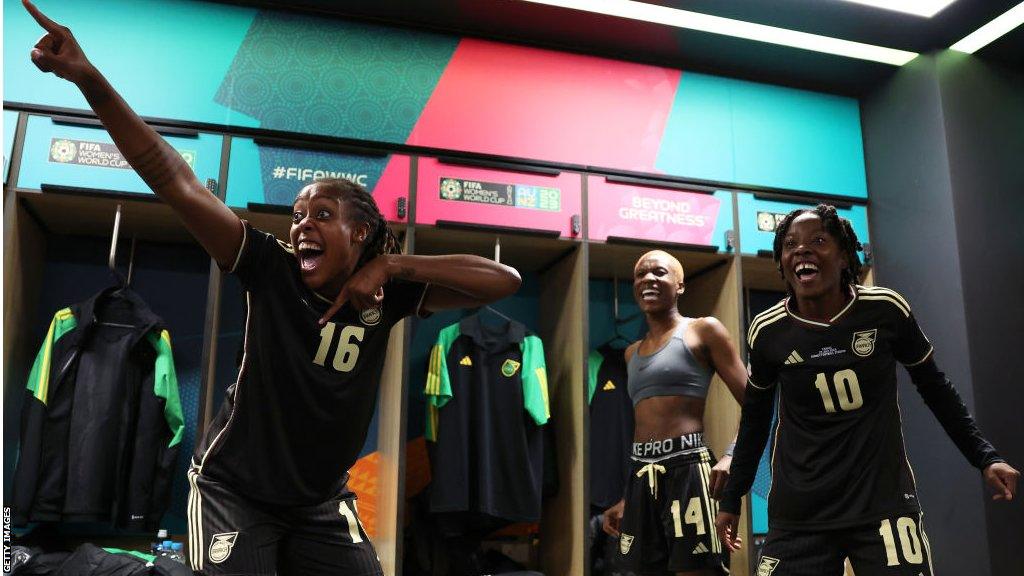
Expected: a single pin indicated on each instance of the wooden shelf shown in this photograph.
(87, 215)
(617, 260)
(522, 251)
(760, 273)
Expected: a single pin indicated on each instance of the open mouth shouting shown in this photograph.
(805, 272)
(311, 255)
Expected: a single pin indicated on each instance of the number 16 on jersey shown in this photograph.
(348, 346)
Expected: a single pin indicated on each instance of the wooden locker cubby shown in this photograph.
(57, 249)
(557, 266)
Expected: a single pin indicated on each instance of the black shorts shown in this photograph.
(894, 546)
(669, 520)
(230, 534)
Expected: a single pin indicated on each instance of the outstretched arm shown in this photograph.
(945, 402)
(456, 281)
(212, 223)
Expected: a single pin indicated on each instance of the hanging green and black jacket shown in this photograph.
(102, 421)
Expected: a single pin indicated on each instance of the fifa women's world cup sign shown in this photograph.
(499, 198)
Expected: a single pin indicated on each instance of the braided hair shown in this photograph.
(838, 227)
(363, 209)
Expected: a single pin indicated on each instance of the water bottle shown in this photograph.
(177, 552)
(157, 547)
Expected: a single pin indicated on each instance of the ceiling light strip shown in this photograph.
(926, 8)
(736, 28)
(992, 31)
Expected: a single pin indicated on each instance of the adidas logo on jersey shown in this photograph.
(700, 548)
(608, 386)
(794, 358)
(466, 361)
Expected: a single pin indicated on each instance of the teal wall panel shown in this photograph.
(334, 77)
(757, 226)
(271, 175)
(799, 140)
(168, 58)
(698, 140)
(52, 154)
(734, 131)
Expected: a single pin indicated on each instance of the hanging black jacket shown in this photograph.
(90, 560)
(102, 422)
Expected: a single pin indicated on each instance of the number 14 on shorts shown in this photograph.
(694, 515)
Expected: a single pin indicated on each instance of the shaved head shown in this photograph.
(668, 260)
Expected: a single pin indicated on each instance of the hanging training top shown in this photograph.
(671, 371)
(102, 422)
(487, 398)
(611, 426)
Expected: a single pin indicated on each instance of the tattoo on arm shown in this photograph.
(406, 273)
(158, 165)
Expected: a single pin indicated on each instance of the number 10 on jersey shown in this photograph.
(847, 391)
(348, 346)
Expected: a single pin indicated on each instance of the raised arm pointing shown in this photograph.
(212, 223)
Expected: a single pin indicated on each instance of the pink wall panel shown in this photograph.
(533, 103)
(393, 184)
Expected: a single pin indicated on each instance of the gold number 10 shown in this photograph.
(847, 391)
(906, 528)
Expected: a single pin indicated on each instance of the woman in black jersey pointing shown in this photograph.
(841, 483)
(268, 482)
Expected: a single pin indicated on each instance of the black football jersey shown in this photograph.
(296, 418)
(838, 457)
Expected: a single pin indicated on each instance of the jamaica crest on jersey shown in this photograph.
(625, 542)
(864, 342)
(371, 316)
(221, 545)
(767, 566)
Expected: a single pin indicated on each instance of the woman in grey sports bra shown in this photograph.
(665, 521)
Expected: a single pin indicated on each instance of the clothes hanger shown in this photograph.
(498, 258)
(120, 280)
(617, 322)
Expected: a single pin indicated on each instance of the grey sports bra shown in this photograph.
(671, 371)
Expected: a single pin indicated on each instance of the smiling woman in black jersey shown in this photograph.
(268, 482)
(841, 483)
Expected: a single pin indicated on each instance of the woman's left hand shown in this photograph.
(365, 288)
(719, 476)
(1002, 479)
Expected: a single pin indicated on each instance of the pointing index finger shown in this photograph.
(42, 19)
